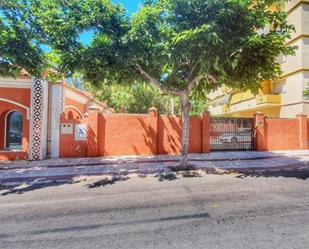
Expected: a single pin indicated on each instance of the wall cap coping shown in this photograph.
(153, 109)
(301, 115)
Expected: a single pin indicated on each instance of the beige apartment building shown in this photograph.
(283, 98)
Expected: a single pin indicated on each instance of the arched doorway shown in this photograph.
(14, 130)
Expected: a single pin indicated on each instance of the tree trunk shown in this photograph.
(186, 107)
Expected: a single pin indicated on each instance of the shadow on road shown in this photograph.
(21, 188)
(108, 181)
(298, 174)
(27, 187)
(24, 187)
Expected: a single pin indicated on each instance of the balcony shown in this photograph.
(268, 99)
(241, 97)
(246, 102)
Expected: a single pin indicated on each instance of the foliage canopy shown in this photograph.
(20, 42)
(169, 42)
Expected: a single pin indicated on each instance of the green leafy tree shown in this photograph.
(134, 98)
(187, 46)
(20, 42)
(181, 47)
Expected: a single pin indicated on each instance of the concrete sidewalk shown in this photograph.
(248, 161)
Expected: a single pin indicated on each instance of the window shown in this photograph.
(14, 130)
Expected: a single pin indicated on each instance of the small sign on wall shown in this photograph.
(80, 132)
(67, 129)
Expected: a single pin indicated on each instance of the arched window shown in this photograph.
(14, 130)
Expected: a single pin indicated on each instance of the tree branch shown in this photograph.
(212, 80)
(191, 83)
(155, 82)
(194, 77)
(193, 69)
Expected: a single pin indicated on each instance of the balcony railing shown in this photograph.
(241, 97)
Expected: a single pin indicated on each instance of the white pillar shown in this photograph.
(55, 111)
(39, 119)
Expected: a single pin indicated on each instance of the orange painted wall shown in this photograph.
(6, 107)
(78, 105)
(19, 95)
(13, 156)
(125, 135)
(308, 131)
(282, 134)
(69, 148)
(135, 134)
(169, 135)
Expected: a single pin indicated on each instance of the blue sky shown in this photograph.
(130, 5)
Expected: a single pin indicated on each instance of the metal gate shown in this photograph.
(231, 134)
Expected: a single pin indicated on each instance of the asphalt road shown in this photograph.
(207, 212)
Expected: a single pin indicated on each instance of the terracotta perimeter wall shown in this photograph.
(169, 135)
(126, 135)
(151, 134)
(281, 134)
(69, 147)
(154, 134)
